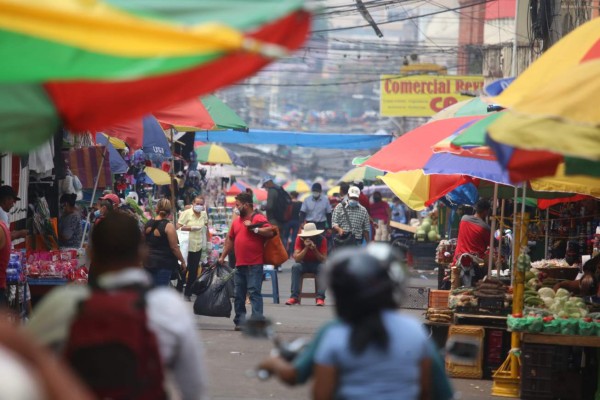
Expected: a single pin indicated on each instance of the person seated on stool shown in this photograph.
(310, 252)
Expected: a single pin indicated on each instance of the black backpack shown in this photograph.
(283, 206)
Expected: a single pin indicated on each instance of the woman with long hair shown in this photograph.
(373, 351)
(163, 246)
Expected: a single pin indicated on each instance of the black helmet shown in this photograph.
(372, 276)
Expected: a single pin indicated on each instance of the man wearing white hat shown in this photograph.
(310, 252)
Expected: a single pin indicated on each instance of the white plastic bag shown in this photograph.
(184, 242)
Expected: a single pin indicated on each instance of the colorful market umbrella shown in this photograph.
(215, 154)
(333, 190)
(412, 150)
(579, 46)
(117, 164)
(418, 190)
(88, 65)
(199, 114)
(360, 174)
(298, 185)
(464, 108)
(145, 133)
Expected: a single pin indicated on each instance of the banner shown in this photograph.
(424, 95)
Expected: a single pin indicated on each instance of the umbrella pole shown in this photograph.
(171, 174)
(93, 194)
(513, 245)
(499, 256)
(491, 252)
(546, 239)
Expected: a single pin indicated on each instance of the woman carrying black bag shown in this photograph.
(163, 246)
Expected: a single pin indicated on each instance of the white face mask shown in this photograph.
(236, 211)
(316, 195)
(198, 208)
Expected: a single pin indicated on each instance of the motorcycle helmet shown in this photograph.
(366, 279)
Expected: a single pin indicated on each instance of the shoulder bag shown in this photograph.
(347, 238)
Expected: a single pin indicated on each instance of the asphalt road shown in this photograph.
(230, 355)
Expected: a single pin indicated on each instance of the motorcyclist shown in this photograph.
(368, 285)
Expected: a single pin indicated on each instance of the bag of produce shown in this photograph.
(551, 325)
(534, 324)
(516, 324)
(569, 326)
(587, 327)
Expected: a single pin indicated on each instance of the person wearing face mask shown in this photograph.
(350, 216)
(247, 236)
(106, 203)
(195, 221)
(69, 224)
(316, 208)
(381, 214)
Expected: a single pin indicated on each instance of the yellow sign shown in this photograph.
(424, 95)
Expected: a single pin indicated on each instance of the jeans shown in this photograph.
(307, 267)
(293, 227)
(248, 278)
(193, 261)
(160, 276)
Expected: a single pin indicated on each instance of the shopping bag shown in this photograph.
(214, 301)
(184, 242)
(275, 253)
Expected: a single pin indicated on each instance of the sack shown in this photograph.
(283, 206)
(275, 253)
(214, 301)
(345, 240)
(112, 349)
(205, 279)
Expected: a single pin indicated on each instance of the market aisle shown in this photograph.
(230, 355)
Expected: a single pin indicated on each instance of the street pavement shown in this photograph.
(231, 357)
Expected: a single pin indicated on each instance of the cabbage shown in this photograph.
(546, 292)
(577, 300)
(425, 226)
(433, 236)
(548, 301)
(562, 293)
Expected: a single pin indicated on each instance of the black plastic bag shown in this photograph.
(226, 272)
(214, 300)
(203, 281)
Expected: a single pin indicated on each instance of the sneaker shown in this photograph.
(279, 269)
(320, 302)
(237, 328)
(291, 301)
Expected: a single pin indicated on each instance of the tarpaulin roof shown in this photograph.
(301, 139)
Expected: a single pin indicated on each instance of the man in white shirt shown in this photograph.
(8, 197)
(117, 252)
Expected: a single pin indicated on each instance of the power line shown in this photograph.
(403, 19)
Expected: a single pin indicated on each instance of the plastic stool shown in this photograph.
(272, 273)
(309, 295)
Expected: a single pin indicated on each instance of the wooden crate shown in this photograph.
(438, 298)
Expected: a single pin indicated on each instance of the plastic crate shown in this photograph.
(438, 298)
(416, 298)
(542, 367)
(472, 370)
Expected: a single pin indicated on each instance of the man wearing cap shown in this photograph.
(106, 203)
(357, 216)
(310, 252)
(316, 208)
(8, 197)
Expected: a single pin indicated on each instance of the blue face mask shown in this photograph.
(97, 213)
(353, 203)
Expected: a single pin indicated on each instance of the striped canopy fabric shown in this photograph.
(88, 65)
(85, 164)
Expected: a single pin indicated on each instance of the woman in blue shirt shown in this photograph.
(374, 350)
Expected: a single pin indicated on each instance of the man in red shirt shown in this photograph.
(247, 235)
(474, 235)
(310, 252)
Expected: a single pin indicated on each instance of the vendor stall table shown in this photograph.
(41, 286)
(561, 340)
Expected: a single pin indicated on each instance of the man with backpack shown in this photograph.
(121, 335)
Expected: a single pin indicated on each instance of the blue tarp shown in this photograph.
(301, 139)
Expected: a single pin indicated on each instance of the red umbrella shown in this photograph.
(412, 150)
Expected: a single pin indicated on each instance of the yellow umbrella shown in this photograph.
(333, 190)
(568, 52)
(158, 176)
(361, 174)
(298, 185)
(417, 190)
(116, 142)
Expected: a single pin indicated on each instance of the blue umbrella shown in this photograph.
(155, 143)
(117, 164)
